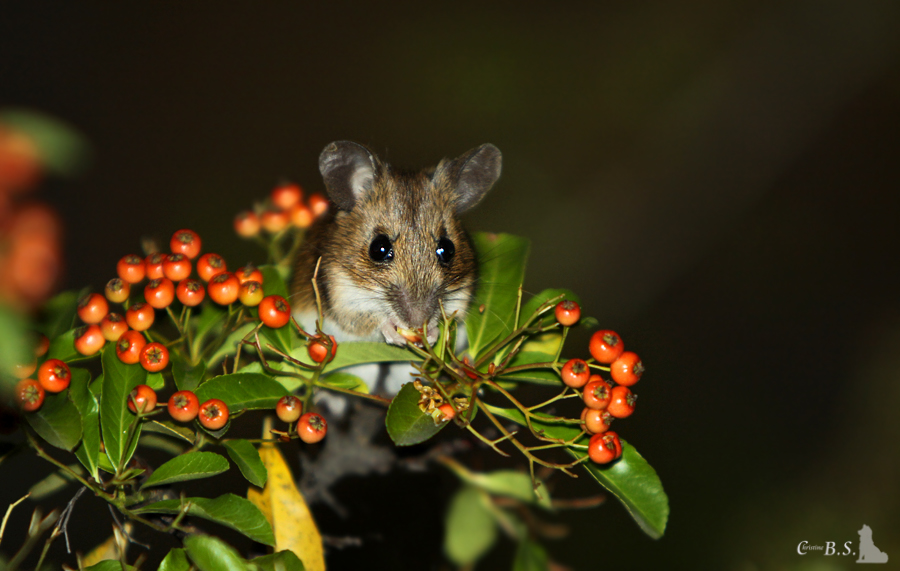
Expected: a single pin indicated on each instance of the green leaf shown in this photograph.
(190, 466)
(242, 391)
(280, 338)
(354, 353)
(62, 149)
(406, 423)
(530, 556)
(471, 528)
(630, 478)
(63, 348)
(116, 419)
(209, 321)
(16, 349)
(282, 561)
(187, 377)
(57, 421)
(58, 314)
(155, 381)
(343, 380)
(534, 376)
(246, 456)
(229, 346)
(89, 409)
(108, 565)
(175, 560)
(529, 307)
(229, 510)
(157, 442)
(501, 262)
(509, 483)
(170, 428)
(212, 554)
(273, 283)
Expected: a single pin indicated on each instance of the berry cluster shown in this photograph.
(604, 401)
(285, 207)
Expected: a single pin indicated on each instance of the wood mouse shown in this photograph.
(393, 249)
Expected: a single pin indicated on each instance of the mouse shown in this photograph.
(392, 249)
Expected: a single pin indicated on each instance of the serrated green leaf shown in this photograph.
(630, 478)
(242, 391)
(175, 560)
(471, 529)
(347, 381)
(246, 457)
(170, 428)
(116, 419)
(406, 423)
(187, 377)
(282, 561)
(501, 263)
(57, 421)
(190, 466)
(88, 452)
(212, 554)
(530, 556)
(229, 510)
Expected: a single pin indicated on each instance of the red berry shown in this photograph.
(627, 369)
(154, 357)
(597, 393)
(143, 399)
(209, 265)
(154, 266)
(568, 313)
(54, 376)
(190, 292)
(89, 339)
(311, 428)
(622, 403)
(185, 242)
(213, 414)
(113, 326)
(131, 268)
(129, 347)
(140, 316)
(606, 346)
(246, 224)
(596, 421)
(289, 408)
(249, 273)
(274, 221)
(301, 215)
(318, 350)
(604, 447)
(159, 293)
(92, 308)
(286, 195)
(575, 373)
(42, 345)
(184, 406)
(447, 410)
(251, 293)
(318, 204)
(177, 267)
(224, 288)
(274, 311)
(29, 395)
(117, 290)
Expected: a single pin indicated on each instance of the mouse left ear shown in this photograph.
(349, 171)
(472, 174)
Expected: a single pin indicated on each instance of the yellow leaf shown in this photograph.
(280, 501)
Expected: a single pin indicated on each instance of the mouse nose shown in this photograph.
(415, 310)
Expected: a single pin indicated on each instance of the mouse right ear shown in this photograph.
(349, 171)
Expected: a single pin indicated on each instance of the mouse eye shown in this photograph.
(445, 250)
(381, 250)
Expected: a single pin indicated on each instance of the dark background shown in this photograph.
(717, 180)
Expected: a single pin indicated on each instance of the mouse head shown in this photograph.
(398, 250)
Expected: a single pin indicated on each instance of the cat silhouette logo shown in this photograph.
(868, 552)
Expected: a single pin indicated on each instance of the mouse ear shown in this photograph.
(349, 171)
(472, 174)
